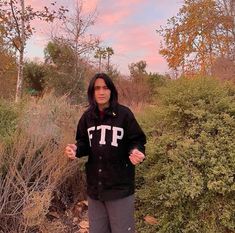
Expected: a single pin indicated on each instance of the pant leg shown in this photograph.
(98, 217)
(121, 215)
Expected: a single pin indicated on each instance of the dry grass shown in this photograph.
(135, 94)
(33, 167)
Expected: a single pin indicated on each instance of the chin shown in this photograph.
(102, 102)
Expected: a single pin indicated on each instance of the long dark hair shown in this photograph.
(109, 83)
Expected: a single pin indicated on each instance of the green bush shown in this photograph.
(8, 119)
(188, 181)
(34, 75)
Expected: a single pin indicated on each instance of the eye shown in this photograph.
(96, 88)
(105, 88)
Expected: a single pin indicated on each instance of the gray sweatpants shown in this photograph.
(115, 216)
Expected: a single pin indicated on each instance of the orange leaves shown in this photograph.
(151, 220)
(201, 31)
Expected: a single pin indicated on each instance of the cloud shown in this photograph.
(89, 5)
(129, 3)
(36, 4)
(113, 18)
(117, 11)
(139, 43)
(128, 26)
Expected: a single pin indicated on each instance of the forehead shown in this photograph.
(99, 82)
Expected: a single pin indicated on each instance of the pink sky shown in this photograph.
(128, 26)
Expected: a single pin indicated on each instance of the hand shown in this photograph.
(70, 151)
(136, 156)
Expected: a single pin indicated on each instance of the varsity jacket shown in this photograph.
(108, 142)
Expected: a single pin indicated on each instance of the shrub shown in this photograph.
(33, 169)
(34, 75)
(8, 119)
(189, 174)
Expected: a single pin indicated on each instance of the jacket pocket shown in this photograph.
(123, 174)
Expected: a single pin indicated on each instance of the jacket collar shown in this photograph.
(110, 111)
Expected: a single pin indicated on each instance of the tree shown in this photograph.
(227, 7)
(61, 74)
(223, 69)
(8, 71)
(34, 76)
(113, 72)
(100, 53)
(138, 68)
(61, 64)
(109, 52)
(202, 31)
(17, 19)
(136, 89)
(74, 35)
(103, 53)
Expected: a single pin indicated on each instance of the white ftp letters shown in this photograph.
(89, 133)
(117, 134)
(103, 133)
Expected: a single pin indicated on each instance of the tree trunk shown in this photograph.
(233, 30)
(108, 62)
(19, 85)
(20, 77)
(99, 62)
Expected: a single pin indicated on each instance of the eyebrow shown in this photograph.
(100, 85)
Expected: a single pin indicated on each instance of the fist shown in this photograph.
(136, 157)
(70, 151)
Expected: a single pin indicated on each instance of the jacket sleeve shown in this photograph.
(135, 135)
(82, 138)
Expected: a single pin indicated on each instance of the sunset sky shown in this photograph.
(128, 26)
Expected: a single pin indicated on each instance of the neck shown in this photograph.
(103, 106)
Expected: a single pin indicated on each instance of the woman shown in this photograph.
(110, 136)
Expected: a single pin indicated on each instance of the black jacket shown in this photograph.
(108, 142)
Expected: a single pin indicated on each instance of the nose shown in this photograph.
(101, 91)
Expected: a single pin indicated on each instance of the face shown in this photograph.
(101, 93)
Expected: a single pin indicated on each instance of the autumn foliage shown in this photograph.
(202, 31)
